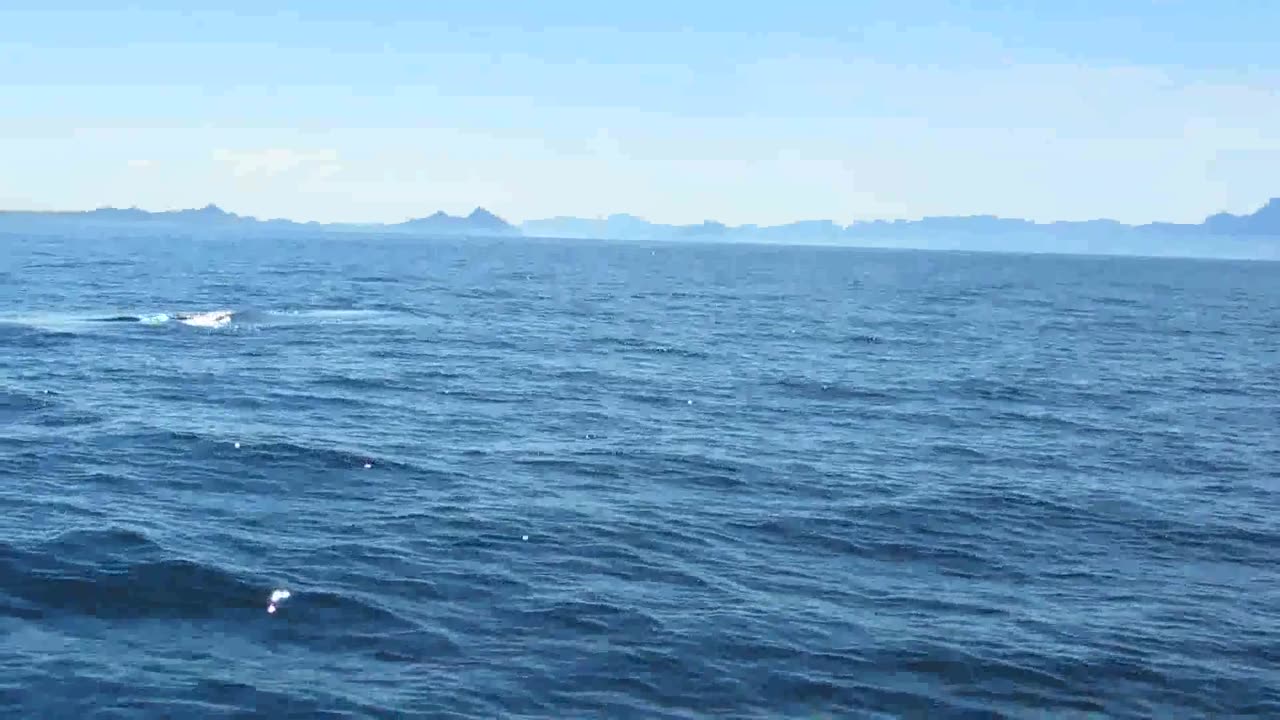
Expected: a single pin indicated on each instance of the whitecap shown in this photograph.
(213, 319)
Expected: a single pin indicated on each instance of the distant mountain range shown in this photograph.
(480, 222)
(978, 231)
(1264, 222)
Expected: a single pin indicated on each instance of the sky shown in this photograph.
(740, 111)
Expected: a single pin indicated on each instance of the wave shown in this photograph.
(16, 401)
(32, 335)
(123, 573)
(835, 391)
(117, 573)
(65, 324)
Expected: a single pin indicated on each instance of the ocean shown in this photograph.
(572, 479)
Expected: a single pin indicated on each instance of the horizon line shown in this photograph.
(600, 218)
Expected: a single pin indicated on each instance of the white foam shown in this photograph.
(54, 322)
(277, 597)
(214, 319)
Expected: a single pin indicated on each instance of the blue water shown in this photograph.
(635, 481)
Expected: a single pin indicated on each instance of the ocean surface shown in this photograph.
(537, 479)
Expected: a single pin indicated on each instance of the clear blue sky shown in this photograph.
(745, 112)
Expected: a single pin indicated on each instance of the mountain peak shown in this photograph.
(484, 218)
(1263, 221)
(479, 221)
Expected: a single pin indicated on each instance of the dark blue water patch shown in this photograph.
(20, 337)
(487, 395)
(487, 293)
(142, 589)
(17, 404)
(60, 262)
(625, 345)
(555, 465)
(355, 384)
(186, 445)
(834, 391)
(284, 454)
(245, 699)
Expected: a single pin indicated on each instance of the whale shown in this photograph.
(214, 318)
(117, 318)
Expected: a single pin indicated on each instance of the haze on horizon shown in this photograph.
(676, 112)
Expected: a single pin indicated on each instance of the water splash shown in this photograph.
(277, 597)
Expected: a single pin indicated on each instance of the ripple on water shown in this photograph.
(550, 479)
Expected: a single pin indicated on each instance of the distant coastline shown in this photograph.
(978, 232)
